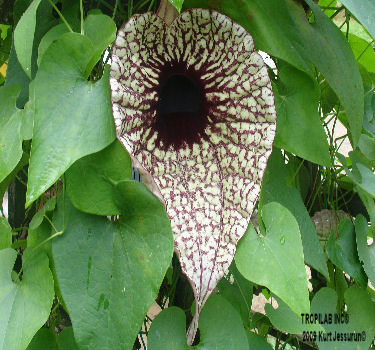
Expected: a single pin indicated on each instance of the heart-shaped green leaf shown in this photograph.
(297, 99)
(24, 305)
(114, 269)
(100, 38)
(219, 324)
(275, 260)
(89, 181)
(73, 117)
(276, 189)
(168, 330)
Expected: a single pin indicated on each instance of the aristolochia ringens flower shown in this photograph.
(193, 106)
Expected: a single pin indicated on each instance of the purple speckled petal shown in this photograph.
(209, 182)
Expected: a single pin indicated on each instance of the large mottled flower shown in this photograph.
(193, 105)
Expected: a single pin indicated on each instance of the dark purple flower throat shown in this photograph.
(182, 107)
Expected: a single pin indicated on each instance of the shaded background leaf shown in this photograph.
(66, 340)
(43, 339)
(343, 253)
(238, 292)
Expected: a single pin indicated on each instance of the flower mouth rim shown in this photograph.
(200, 117)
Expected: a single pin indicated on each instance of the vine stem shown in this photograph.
(36, 248)
(51, 223)
(81, 10)
(61, 15)
(368, 45)
(115, 10)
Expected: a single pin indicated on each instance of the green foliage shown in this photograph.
(100, 39)
(297, 99)
(363, 52)
(364, 11)
(5, 234)
(168, 330)
(43, 339)
(177, 4)
(343, 253)
(89, 180)
(66, 340)
(25, 304)
(361, 311)
(272, 248)
(24, 36)
(276, 189)
(284, 319)
(366, 253)
(114, 268)
(343, 73)
(239, 293)
(10, 131)
(5, 42)
(80, 267)
(73, 117)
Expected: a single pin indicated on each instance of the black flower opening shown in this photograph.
(182, 108)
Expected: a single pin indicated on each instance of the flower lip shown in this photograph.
(182, 108)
